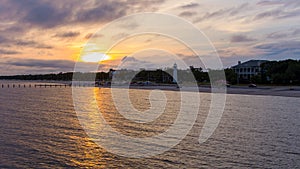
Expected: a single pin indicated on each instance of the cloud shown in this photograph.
(4, 40)
(53, 13)
(296, 32)
(190, 5)
(241, 38)
(67, 34)
(284, 3)
(32, 13)
(104, 11)
(268, 14)
(289, 49)
(92, 35)
(31, 25)
(40, 66)
(129, 62)
(277, 35)
(45, 15)
(187, 14)
(63, 64)
(265, 2)
(292, 33)
(8, 52)
(12, 66)
(119, 36)
(31, 44)
(279, 9)
(23, 43)
(221, 13)
(129, 59)
(136, 6)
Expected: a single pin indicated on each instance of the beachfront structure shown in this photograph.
(247, 70)
(175, 78)
(196, 69)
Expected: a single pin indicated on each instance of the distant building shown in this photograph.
(194, 69)
(247, 70)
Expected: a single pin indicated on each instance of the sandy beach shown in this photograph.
(286, 91)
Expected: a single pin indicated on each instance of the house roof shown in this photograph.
(250, 63)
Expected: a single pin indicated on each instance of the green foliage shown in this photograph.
(231, 76)
(273, 72)
(61, 76)
(281, 72)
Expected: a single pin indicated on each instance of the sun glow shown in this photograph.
(95, 57)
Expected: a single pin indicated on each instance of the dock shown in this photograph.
(12, 85)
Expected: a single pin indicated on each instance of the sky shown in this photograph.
(50, 36)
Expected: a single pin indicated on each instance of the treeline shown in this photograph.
(285, 72)
(157, 76)
(273, 72)
(280, 72)
(69, 76)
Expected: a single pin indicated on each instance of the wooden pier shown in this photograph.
(12, 85)
(51, 85)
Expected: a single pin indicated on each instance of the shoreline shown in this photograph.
(284, 91)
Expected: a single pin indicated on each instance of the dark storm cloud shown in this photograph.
(67, 34)
(241, 38)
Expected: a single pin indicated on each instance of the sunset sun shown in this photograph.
(95, 57)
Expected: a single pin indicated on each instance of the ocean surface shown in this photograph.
(39, 128)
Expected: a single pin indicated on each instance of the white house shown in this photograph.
(248, 69)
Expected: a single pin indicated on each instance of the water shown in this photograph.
(40, 129)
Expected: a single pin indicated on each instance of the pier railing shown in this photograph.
(13, 85)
